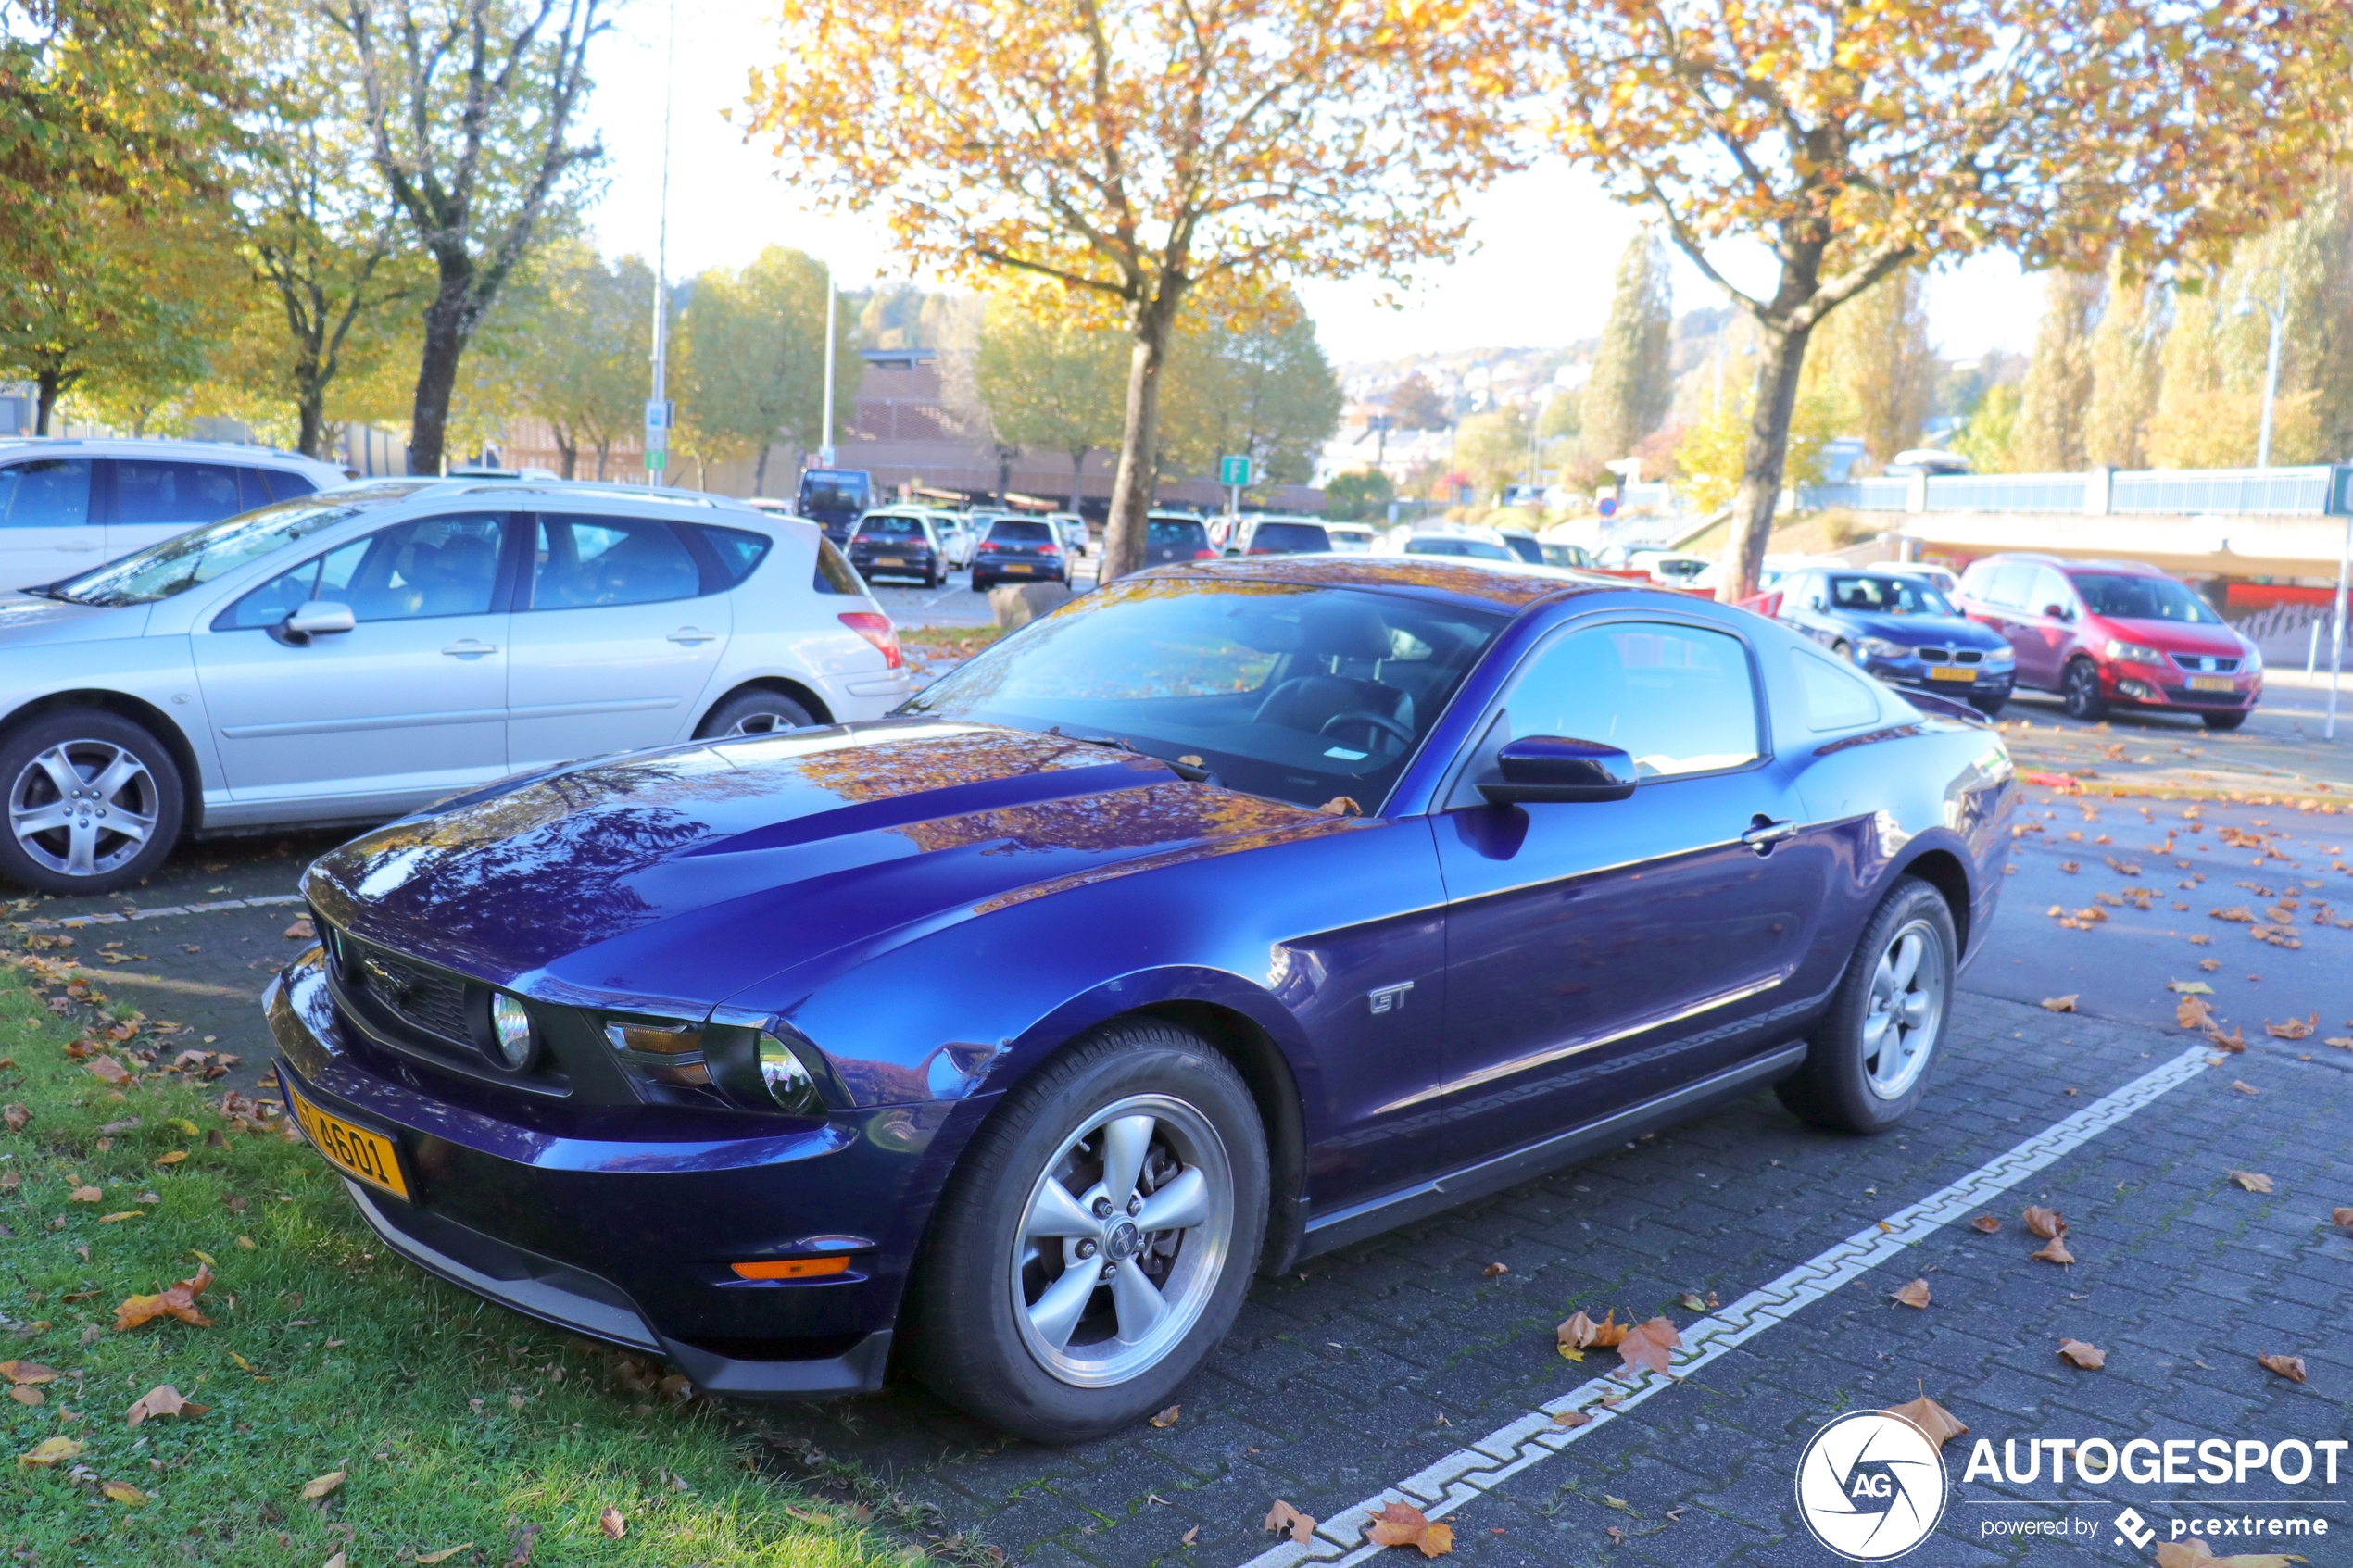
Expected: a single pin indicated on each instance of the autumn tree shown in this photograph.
(1415, 404)
(1851, 139)
(1632, 379)
(1142, 151)
(1257, 387)
(1877, 348)
(2126, 355)
(753, 343)
(582, 367)
(469, 108)
(1051, 378)
(2049, 438)
(1493, 447)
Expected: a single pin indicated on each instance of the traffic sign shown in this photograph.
(1609, 506)
(656, 460)
(1233, 469)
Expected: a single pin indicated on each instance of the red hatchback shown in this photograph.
(2115, 634)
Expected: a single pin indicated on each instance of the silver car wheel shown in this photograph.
(760, 724)
(1123, 1241)
(1906, 1012)
(82, 807)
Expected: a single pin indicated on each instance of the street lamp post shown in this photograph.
(2278, 313)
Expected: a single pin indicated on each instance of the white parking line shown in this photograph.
(118, 918)
(1439, 1489)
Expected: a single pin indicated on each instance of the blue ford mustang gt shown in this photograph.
(1232, 913)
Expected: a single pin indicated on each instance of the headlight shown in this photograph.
(2253, 662)
(510, 1030)
(2133, 653)
(2003, 655)
(787, 1078)
(1879, 648)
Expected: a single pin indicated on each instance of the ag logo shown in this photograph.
(1870, 1485)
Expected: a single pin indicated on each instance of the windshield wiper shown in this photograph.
(1192, 773)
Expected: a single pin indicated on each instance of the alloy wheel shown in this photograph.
(1123, 1241)
(763, 723)
(1905, 1011)
(83, 807)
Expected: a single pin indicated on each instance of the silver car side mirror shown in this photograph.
(318, 617)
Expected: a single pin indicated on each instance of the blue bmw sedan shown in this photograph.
(1898, 627)
(1232, 913)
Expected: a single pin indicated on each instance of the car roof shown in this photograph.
(2063, 564)
(562, 490)
(162, 446)
(1510, 586)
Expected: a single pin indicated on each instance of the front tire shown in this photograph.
(2224, 721)
(94, 803)
(1137, 1150)
(756, 712)
(1871, 1056)
(2079, 688)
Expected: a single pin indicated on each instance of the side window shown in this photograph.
(1836, 699)
(265, 486)
(737, 550)
(834, 574)
(2012, 580)
(584, 562)
(187, 494)
(431, 567)
(2050, 588)
(45, 493)
(1678, 699)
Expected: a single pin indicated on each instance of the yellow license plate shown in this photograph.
(890, 560)
(2212, 684)
(353, 1150)
(1951, 673)
(1015, 566)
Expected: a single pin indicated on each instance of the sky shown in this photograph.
(1543, 244)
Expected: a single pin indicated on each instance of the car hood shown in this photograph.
(669, 880)
(2174, 636)
(1912, 631)
(29, 621)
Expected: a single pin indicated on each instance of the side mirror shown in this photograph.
(316, 617)
(1550, 767)
(2058, 612)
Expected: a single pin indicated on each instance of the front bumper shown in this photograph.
(620, 1224)
(2143, 685)
(1914, 674)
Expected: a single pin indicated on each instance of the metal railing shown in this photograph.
(2006, 493)
(1856, 495)
(2238, 492)
(2300, 492)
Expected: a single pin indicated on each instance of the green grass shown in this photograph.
(454, 1419)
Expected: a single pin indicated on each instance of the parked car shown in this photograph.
(1943, 579)
(1025, 549)
(1175, 536)
(900, 543)
(1571, 558)
(1523, 545)
(1352, 538)
(1901, 630)
(1277, 536)
(353, 655)
(1073, 532)
(1463, 547)
(1675, 568)
(65, 506)
(2115, 634)
(1261, 905)
(834, 500)
(956, 536)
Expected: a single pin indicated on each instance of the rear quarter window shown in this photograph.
(1835, 697)
(834, 574)
(736, 550)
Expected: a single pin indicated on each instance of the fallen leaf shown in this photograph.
(33, 1371)
(612, 1523)
(2293, 1029)
(1647, 1345)
(2210, 965)
(1690, 1303)
(2060, 1004)
(1581, 1333)
(300, 931)
(15, 1116)
(1404, 1524)
(173, 1158)
(50, 1450)
(24, 1395)
(85, 1195)
(2190, 988)
(2341, 1216)
(1167, 1418)
(1618, 1503)
(162, 1399)
(121, 1214)
(321, 1486)
(1495, 1271)
(2044, 1223)
(179, 1301)
(2192, 1012)
(2090, 1358)
(1286, 1518)
(2289, 1367)
(1572, 1419)
(1985, 1223)
(2055, 1251)
(2244, 1088)
(2253, 1181)
(427, 1558)
(124, 1493)
(1932, 1418)
(1913, 1295)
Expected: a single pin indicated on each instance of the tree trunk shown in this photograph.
(311, 408)
(604, 450)
(760, 471)
(447, 326)
(1078, 475)
(569, 446)
(48, 383)
(1780, 358)
(1137, 479)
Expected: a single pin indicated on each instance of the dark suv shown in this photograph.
(1019, 550)
(1175, 536)
(899, 544)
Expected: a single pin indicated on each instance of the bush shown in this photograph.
(1350, 497)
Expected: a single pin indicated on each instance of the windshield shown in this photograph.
(1889, 596)
(190, 560)
(1289, 539)
(1450, 545)
(1525, 548)
(1299, 693)
(889, 528)
(1006, 531)
(2145, 599)
(1177, 533)
(835, 492)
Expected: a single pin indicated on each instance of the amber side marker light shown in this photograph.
(793, 1267)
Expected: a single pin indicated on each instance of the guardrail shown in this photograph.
(2300, 492)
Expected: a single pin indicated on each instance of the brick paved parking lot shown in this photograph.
(1388, 1361)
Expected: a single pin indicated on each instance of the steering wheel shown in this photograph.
(1378, 721)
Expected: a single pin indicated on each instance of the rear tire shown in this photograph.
(755, 712)
(981, 585)
(1010, 1317)
(1873, 1053)
(2079, 689)
(2224, 721)
(95, 802)
(1989, 705)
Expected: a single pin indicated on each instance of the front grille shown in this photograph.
(418, 997)
(2206, 664)
(1952, 655)
(2189, 698)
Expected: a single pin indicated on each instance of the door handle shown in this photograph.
(689, 635)
(1763, 832)
(468, 647)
